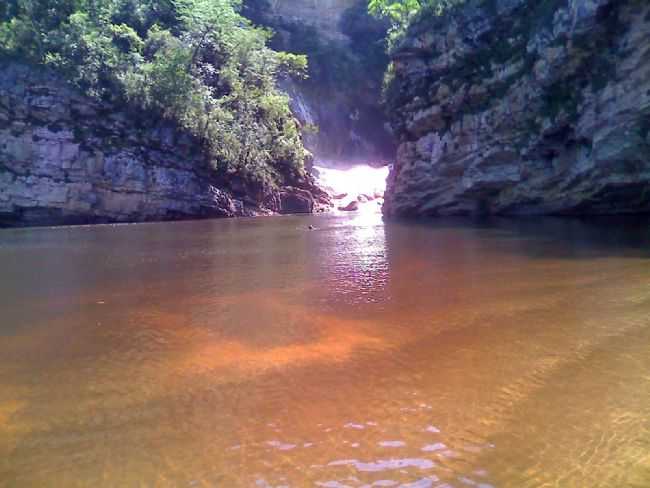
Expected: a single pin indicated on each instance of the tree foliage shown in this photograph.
(198, 63)
(402, 12)
(398, 11)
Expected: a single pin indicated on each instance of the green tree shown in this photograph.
(203, 19)
(401, 12)
(398, 11)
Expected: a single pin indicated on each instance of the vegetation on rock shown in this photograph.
(198, 63)
(402, 12)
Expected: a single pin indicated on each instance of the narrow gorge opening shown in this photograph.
(353, 187)
(338, 104)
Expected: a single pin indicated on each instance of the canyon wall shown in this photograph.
(523, 107)
(324, 15)
(69, 159)
(347, 59)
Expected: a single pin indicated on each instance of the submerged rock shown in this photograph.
(523, 107)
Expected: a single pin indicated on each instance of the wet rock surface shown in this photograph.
(523, 107)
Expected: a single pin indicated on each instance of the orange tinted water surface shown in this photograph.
(259, 353)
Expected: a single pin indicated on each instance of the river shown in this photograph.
(257, 352)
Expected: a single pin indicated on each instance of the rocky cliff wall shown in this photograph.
(523, 107)
(324, 15)
(65, 158)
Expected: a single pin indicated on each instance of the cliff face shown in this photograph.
(346, 64)
(324, 15)
(523, 107)
(65, 158)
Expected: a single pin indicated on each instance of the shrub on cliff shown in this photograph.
(196, 62)
(401, 12)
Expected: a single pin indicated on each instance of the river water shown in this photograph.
(256, 352)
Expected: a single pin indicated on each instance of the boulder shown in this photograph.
(295, 200)
(353, 206)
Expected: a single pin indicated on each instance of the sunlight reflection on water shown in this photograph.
(356, 266)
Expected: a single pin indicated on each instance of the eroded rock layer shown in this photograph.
(523, 107)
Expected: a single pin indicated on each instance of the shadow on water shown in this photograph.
(537, 237)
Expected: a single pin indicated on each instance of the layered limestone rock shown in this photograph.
(65, 158)
(523, 107)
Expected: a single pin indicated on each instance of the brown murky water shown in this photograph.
(258, 353)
